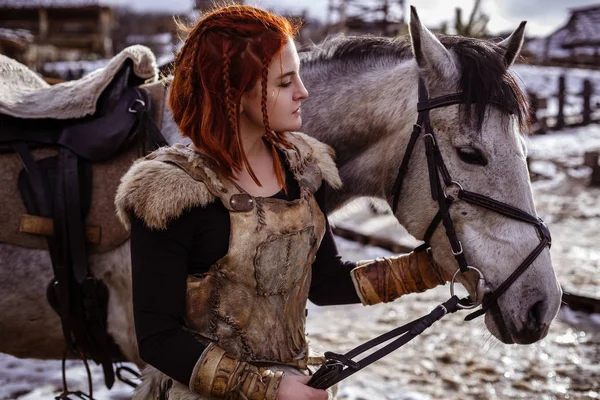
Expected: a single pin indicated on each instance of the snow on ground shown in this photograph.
(42, 379)
(570, 207)
(567, 144)
(459, 360)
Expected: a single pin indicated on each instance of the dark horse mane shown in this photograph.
(484, 78)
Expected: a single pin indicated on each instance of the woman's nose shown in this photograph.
(302, 93)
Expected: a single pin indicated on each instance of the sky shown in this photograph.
(543, 16)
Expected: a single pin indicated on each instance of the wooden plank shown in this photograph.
(587, 101)
(585, 304)
(560, 118)
(382, 242)
(37, 225)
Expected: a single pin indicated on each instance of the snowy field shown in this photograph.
(453, 359)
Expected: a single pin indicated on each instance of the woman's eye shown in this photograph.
(471, 155)
(285, 84)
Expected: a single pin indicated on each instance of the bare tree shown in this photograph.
(476, 25)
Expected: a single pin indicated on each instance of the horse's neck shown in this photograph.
(367, 120)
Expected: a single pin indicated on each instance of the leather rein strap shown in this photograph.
(339, 366)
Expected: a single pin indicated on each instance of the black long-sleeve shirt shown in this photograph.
(162, 260)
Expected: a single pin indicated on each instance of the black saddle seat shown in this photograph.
(97, 137)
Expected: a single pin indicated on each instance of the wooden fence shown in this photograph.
(590, 113)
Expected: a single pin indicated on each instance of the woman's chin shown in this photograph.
(289, 128)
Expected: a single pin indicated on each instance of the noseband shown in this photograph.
(341, 366)
(437, 168)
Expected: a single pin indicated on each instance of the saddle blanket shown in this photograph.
(24, 94)
(106, 177)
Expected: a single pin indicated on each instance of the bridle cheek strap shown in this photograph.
(436, 168)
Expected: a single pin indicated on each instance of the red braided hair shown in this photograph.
(227, 52)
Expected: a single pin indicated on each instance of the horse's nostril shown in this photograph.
(536, 315)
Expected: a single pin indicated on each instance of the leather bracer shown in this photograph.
(385, 279)
(221, 375)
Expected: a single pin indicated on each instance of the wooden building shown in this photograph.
(14, 42)
(61, 29)
(575, 43)
(356, 17)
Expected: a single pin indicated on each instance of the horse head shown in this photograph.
(363, 95)
(478, 131)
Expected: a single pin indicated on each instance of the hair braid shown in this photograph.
(263, 99)
(229, 94)
(232, 113)
(269, 134)
(272, 136)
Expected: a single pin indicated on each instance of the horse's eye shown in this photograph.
(471, 155)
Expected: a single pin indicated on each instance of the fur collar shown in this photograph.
(159, 192)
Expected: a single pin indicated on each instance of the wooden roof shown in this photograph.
(583, 28)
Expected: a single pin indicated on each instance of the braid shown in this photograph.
(229, 94)
(269, 134)
(232, 112)
(263, 100)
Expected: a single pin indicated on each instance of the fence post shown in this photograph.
(533, 104)
(560, 118)
(587, 102)
(595, 180)
(590, 159)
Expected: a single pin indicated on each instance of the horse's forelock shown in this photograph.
(485, 80)
(484, 77)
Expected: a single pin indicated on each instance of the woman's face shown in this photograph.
(285, 92)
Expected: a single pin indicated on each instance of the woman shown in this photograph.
(229, 236)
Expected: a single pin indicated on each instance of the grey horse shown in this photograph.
(363, 103)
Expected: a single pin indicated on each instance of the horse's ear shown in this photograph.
(430, 53)
(513, 44)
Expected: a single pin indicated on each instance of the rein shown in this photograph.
(339, 366)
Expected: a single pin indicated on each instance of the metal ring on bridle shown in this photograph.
(460, 251)
(454, 281)
(431, 136)
(452, 183)
(138, 101)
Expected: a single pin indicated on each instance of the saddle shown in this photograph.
(24, 94)
(61, 176)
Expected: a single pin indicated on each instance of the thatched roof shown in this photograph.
(583, 28)
(16, 35)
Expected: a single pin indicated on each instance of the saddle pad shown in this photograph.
(106, 177)
(24, 94)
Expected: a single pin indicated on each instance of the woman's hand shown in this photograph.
(293, 387)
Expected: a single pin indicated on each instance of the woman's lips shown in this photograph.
(298, 111)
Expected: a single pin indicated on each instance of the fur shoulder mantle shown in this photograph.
(159, 192)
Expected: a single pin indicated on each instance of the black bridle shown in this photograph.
(340, 366)
(437, 168)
